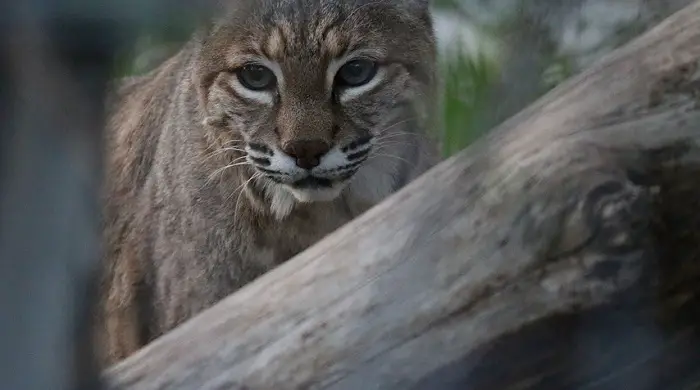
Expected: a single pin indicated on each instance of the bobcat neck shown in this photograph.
(279, 124)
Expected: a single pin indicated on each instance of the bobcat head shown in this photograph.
(318, 94)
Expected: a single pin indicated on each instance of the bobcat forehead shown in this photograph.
(335, 43)
(281, 41)
(275, 45)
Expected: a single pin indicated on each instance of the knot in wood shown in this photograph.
(618, 214)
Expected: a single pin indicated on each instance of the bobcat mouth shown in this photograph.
(313, 188)
(312, 182)
(308, 182)
(316, 189)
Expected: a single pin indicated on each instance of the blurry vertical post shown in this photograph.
(55, 61)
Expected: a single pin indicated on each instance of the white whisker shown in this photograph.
(399, 134)
(390, 156)
(389, 143)
(215, 153)
(241, 189)
(391, 126)
(238, 141)
(221, 170)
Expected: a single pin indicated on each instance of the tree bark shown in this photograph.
(560, 251)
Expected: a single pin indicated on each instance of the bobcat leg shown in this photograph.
(122, 325)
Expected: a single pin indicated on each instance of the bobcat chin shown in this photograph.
(268, 130)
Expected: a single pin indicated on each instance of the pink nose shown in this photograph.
(307, 153)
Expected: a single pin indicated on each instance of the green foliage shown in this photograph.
(559, 69)
(467, 83)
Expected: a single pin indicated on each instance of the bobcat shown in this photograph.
(273, 126)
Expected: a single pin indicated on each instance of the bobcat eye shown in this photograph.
(356, 73)
(256, 77)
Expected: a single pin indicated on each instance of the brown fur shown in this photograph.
(182, 231)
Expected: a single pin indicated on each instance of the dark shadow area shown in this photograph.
(55, 63)
(649, 342)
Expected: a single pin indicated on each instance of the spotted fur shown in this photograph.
(201, 197)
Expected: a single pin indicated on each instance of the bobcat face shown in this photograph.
(318, 90)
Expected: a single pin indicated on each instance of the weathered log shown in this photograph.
(560, 251)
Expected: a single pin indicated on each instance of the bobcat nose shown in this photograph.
(307, 153)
